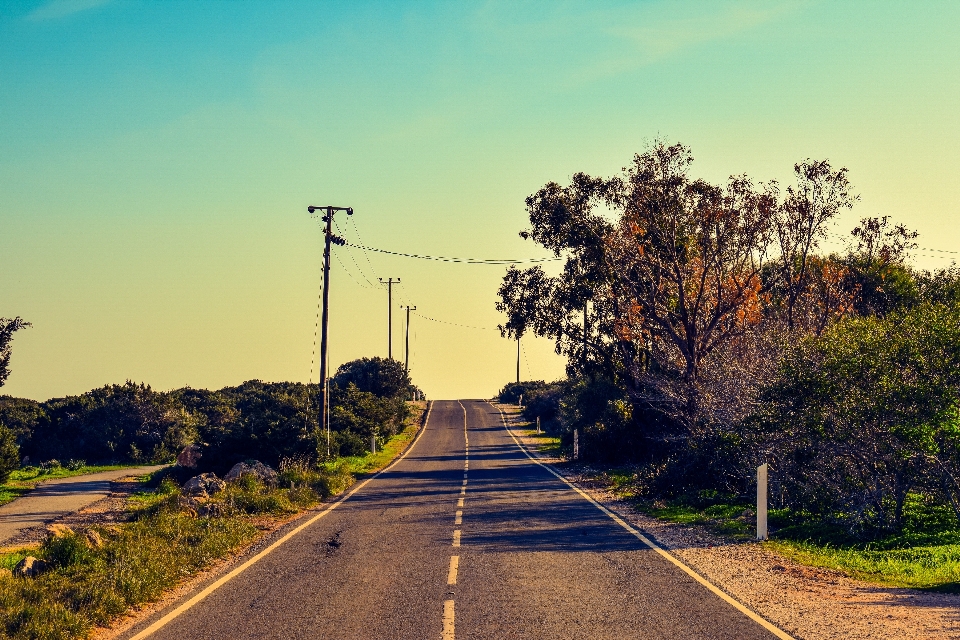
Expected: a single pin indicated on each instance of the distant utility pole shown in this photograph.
(406, 351)
(328, 238)
(390, 282)
(584, 364)
(518, 359)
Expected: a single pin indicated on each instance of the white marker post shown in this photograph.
(373, 444)
(762, 502)
(576, 445)
(538, 424)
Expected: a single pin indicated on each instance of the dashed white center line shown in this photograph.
(459, 518)
(456, 537)
(454, 565)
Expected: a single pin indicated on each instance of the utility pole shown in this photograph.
(406, 351)
(584, 358)
(390, 282)
(518, 359)
(328, 238)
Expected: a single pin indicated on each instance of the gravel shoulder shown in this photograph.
(809, 603)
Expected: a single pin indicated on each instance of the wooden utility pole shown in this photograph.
(518, 359)
(406, 350)
(390, 282)
(328, 238)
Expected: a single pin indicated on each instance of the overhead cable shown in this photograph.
(499, 261)
(454, 324)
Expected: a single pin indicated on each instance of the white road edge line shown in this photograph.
(763, 622)
(162, 622)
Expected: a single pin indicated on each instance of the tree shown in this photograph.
(7, 328)
(9, 453)
(380, 376)
(573, 309)
(876, 267)
(800, 223)
(688, 255)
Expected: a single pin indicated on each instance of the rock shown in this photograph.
(93, 538)
(256, 468)
(204, 485)
(30, 567)
(212, 510)
(59, 531)
(190, 456)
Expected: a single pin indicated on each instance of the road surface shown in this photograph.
(56, 498)
(465, 537)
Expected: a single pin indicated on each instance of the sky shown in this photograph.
(157, 160)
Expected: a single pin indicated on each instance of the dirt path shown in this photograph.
(57, 498)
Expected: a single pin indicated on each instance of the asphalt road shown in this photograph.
(446, 545)
(56, 498)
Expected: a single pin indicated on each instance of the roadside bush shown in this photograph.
(382, 377)
(867, 413)
(511, 392)
(9, 453)
(116, 422)
(544, 402)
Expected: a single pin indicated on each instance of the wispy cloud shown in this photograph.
(56, 9)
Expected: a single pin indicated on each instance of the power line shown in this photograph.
(353, 259)
(495, 261)
(455, 324)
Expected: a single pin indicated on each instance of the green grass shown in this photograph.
(935, 568)
(925, 554)
(25, 480)
(373, 462)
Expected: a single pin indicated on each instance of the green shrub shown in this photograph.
(9, 453)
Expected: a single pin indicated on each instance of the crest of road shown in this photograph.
(465, 536)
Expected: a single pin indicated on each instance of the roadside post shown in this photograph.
(373, 444)
(538, 424)
(762, 502)
(576, 445)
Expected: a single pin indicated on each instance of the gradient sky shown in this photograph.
(157, 159)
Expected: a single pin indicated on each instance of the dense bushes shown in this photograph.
(866, 413)
(267, 421)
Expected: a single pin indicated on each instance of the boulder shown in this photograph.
(30, 567)
(58, 531)
(212, 510)
(190, 456)
(94, 539)
(255, 468)
(204, 485)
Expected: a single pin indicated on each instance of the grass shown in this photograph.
(168, 539)
(373, 462)
(25, 480)
(925, 554)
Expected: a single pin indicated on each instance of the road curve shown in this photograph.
(465, 537)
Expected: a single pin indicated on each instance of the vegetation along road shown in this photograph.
(467, 537)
